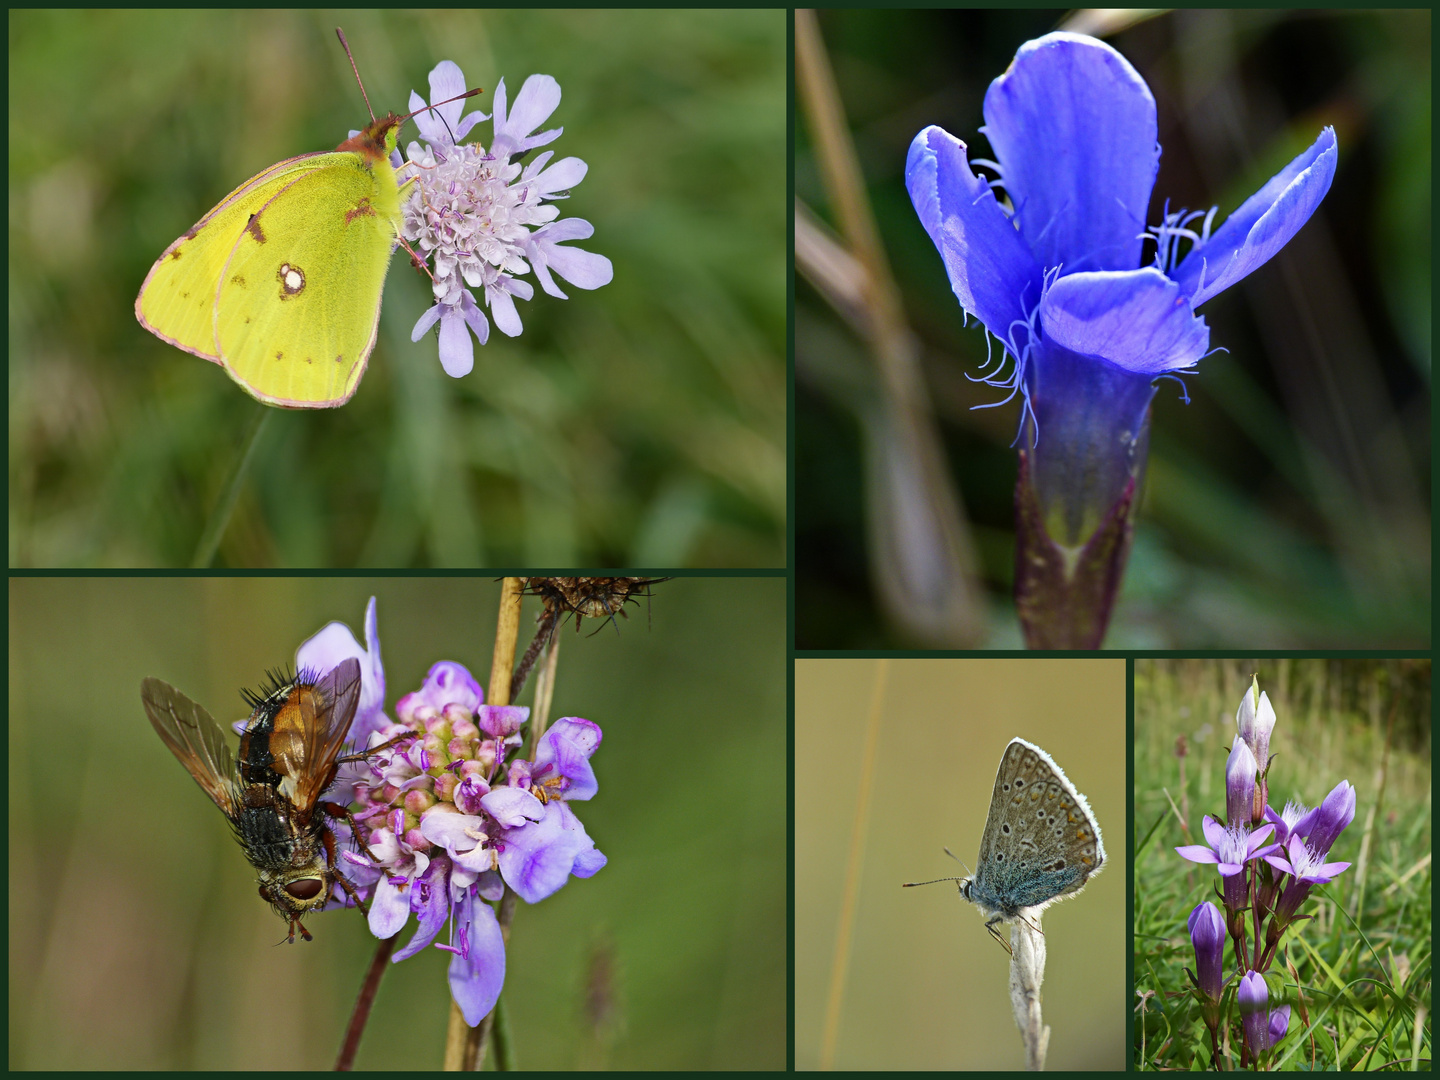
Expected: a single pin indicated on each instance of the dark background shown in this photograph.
(1287, 505)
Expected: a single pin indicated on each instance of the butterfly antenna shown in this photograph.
(956, 858)
(346, 46)
(457, 97)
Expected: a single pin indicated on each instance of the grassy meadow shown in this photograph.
(1357, 975)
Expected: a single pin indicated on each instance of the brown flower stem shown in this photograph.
(464, 1046)
(368, 989)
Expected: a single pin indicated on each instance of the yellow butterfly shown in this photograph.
(280, 283)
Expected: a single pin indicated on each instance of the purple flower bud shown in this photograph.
(1256, 719)
(1254, 1011)
(1207, 934)
(1279, 1023)
(1239, 784)
(1331, 817)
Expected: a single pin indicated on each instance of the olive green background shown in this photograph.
(926, 986)
(136, 937)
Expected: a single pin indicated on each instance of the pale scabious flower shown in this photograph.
(484, 220)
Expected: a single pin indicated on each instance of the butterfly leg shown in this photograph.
(990, 926)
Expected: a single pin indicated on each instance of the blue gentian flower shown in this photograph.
(1055, 274)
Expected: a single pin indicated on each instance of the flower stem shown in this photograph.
(1063, 594)
(368, 989)
(465, 1046)
(1027, 972)
(220, 516)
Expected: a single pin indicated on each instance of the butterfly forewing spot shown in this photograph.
(361, 209)
(253, 228)
(292, 280)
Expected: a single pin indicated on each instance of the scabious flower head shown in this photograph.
(448, 819)
(485, 220)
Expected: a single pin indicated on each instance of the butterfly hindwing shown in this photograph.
(298, 301)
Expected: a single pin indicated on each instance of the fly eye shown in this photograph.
(305, 888)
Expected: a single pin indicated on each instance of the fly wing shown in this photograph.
(326, 714)
(196, 740)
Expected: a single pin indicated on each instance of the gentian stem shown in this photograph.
(1064, 595)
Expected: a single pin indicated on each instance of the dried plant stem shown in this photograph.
(464, 1046)
(925, 574)
(1027, 972)
(840, 965)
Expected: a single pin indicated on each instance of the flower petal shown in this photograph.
(1136, 319)
(1263, 225)
(1197, 853)
(990, 268)
(1073, 127)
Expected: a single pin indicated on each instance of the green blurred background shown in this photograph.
(926, 986)
(1288, 504)
(639, 424)
(136, 937)
(1365, 721)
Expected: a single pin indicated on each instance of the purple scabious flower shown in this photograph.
(332, 645)
(1055, 274)
(1229, 848)
(448, 820)
(485, 219)
(1207, 935)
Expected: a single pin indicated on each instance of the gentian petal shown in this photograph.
(1073, 127)
(1197, 853)
(1137, 319)
(1263, 225)
(990, 268)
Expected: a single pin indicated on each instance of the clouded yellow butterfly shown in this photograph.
(280, 283)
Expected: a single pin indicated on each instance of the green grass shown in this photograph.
(1357, 976)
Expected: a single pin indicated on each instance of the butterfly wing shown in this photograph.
(177, 301)
(297, 306)
(999, 801)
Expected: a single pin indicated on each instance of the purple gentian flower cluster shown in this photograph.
(449, 819)
(1267, 872)
(485, 219)
(1055, 273)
